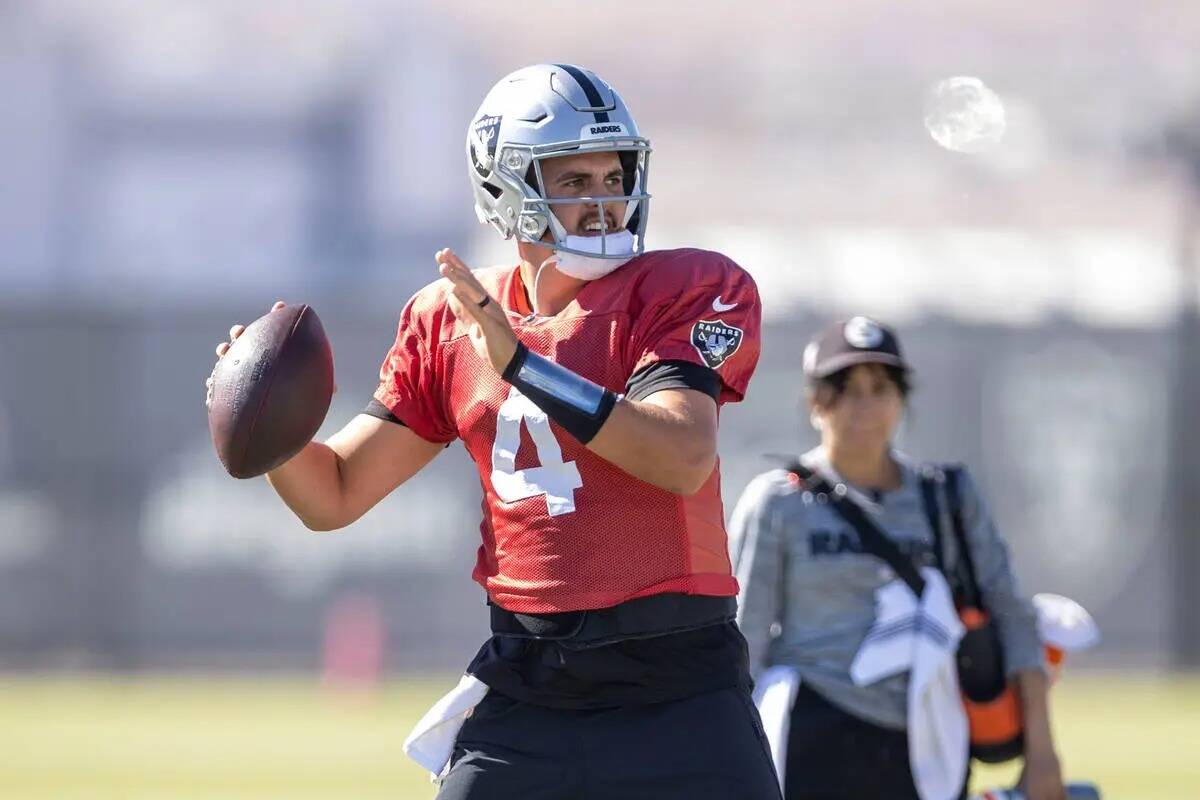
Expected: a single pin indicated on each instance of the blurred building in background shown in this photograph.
(168, 169)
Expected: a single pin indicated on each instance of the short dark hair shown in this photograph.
(833, 386)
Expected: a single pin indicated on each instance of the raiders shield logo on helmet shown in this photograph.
(715, 341)
(486, 128)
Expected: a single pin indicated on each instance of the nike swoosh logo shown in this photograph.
(718, 306)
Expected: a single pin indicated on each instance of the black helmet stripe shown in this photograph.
(589, 89)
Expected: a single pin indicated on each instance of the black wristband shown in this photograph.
(579, 406)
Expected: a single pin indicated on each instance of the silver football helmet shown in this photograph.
(540, 112)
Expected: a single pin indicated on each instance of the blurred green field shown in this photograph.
(186, 739)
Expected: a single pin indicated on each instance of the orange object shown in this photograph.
(996, 722)
(973, 618)
(1054, 661)
(996, 725)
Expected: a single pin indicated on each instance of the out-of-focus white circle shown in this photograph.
(964, 115)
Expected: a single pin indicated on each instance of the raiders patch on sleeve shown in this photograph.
(715, 341)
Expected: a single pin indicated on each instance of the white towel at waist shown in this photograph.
(431, 742)
(774, 695)
(922, 638)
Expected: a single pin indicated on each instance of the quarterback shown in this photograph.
(585, 381)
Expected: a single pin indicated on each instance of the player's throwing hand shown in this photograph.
(491, 334)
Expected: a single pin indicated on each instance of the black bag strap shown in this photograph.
(954, 499)
(873, 540)
(781, 583)
(933, 513)
(963, 580)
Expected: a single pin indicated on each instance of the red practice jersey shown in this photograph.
(563, 529)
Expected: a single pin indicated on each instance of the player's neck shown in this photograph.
(555, 291)
(869, 469)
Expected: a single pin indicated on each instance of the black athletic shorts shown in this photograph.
(709, 745)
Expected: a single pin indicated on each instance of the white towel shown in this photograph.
(922, 637)
(887, 649)
(431, 742)
(774, 695)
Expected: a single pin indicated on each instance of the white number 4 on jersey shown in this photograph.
(554, 478)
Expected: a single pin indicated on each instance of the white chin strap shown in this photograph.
(618, 249)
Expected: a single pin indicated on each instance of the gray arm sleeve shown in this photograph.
(756, 550)
(1014, 614)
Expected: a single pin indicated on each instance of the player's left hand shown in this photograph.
(1041, 778)
(491, 334)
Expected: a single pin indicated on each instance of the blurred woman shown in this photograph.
(810, 593)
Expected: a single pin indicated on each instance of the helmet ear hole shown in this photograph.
(629, 165)
(531, 179)
(492, 189)
(632, 225)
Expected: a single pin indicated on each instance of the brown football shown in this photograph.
(271, 391)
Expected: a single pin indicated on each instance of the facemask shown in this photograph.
(591, 267)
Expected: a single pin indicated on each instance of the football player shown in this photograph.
(584, 381)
